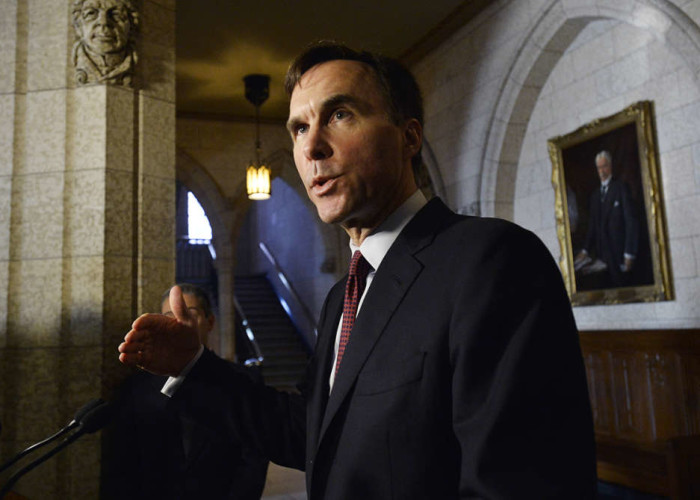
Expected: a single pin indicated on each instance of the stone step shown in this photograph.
(285, 357)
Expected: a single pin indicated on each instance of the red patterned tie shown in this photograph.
(357, 278)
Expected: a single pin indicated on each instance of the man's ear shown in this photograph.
(211, 321)
(413, 137)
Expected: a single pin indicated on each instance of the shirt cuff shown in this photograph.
(628, 255)
(173, 383)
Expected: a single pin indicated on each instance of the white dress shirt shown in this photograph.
(375, 247)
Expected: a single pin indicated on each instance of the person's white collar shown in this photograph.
(376, 245)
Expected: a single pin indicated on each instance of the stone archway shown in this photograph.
(220, 214)
(551, 34)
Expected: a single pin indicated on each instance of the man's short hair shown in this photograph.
(197, 292)
(399, 87)
(604, 154)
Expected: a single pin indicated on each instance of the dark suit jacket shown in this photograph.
(613, 227)
(463, 377)
(166, 455)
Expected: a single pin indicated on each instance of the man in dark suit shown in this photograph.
(166, 454)
(613, 228)
(462, 375)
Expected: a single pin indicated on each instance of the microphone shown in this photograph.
(89, 419)
(96, 418)
(77, 419)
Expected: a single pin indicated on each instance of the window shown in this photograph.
(198, 227)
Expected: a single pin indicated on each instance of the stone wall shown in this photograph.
(86, 227)
(523, 72)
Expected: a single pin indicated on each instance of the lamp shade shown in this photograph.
(258, 182)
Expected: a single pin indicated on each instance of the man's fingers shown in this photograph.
(161, 344)
(178, 305)
(129, 359)
(147, 322)
(138, 358)
(130, 347)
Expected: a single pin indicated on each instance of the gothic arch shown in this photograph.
(221, 217)
(550, 35)
(193, 175)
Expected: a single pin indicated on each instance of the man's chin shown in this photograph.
(330, 213)
(329, 218)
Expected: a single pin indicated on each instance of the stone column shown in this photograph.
(87, 198)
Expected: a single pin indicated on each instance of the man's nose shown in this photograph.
(316, 146)
(103, 18)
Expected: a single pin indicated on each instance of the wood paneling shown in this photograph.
(645, 395)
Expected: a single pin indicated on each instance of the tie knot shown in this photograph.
(359, 265)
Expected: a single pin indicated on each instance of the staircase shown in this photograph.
(285, 355)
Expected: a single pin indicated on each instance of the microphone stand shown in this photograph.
(93, 416)
(15, 477)
(77, 420)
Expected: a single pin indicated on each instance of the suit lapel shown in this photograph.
(323, 358)
(385, 294)
(392, 281)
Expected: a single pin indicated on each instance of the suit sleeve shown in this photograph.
(225, 398)
(521, 411)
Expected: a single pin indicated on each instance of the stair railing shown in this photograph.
(310, 319)
(257, 358)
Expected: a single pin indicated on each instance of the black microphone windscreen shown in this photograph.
(97, 417)
(93, 403)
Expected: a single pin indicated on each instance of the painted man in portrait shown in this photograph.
(613, 229)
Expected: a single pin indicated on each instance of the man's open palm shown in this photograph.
(160, 344)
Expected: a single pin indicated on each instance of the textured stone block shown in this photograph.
(37, 216)
(84, 290)
(7, 122)
(84, 221)
(87, 124)
(122, 123)
(5, 211)
(47, 64)
(34, 303)
(45, 146)
(8, 59)
(157, 276)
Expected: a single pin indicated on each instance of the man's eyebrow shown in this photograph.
(330, 103)
(292, 124)
(341, 99)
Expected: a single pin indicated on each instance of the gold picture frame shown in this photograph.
(611, 228)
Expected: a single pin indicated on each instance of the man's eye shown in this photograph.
(89, 14)
(340, 114)
(117, 15)
(300, 129)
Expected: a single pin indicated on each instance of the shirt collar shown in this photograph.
(376, 245)
(606, 182)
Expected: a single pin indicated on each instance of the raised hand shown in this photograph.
(160, 344)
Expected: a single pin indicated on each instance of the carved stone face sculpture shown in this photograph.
(104, 48)
(104, 26)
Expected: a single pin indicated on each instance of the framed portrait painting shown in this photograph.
(609, 210)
